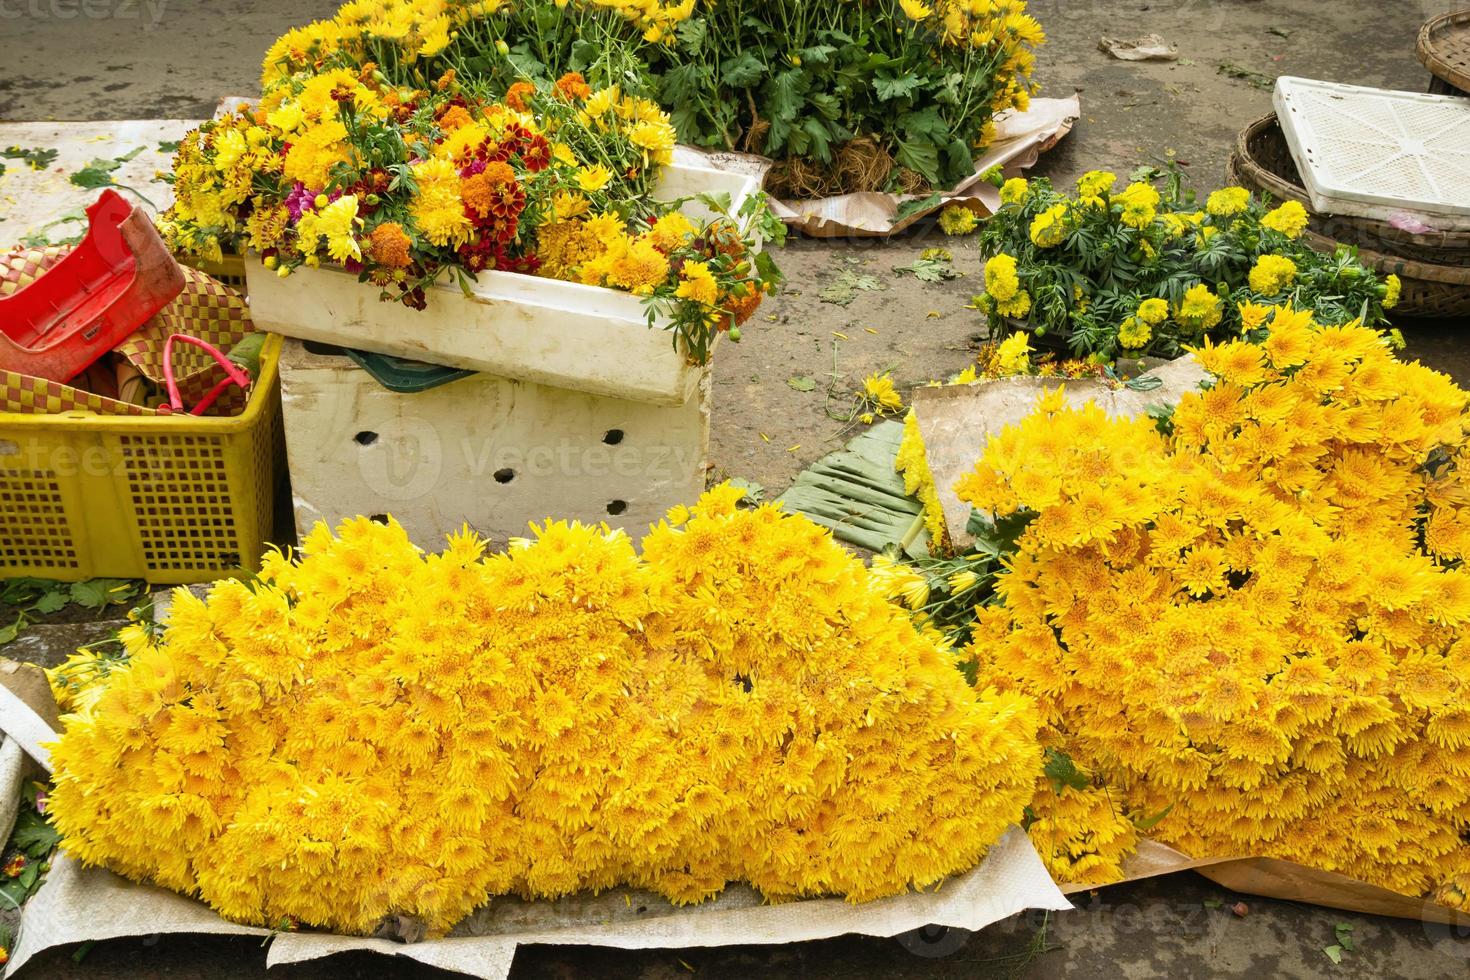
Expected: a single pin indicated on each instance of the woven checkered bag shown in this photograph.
(206, 309)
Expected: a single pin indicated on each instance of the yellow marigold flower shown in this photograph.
(1014, 191)
(1095, 182)
(1227, 201)
(1200, 310)
(1272, 274)
(1290, 219)
(1017, 307)
(639, 268)
(1001, 281)
(1391, 294)
(1134, 333)
(655, 137)
(956, 219)
(1049, 228)
(437, 209)
(1153, 311)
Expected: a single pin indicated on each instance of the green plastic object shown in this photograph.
(404, 376)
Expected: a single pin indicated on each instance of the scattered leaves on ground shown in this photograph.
(844, 289)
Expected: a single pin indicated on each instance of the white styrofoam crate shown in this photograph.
(1371, 152)
(563, 334)
(491, 452)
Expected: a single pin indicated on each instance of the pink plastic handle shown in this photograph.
(233, 375)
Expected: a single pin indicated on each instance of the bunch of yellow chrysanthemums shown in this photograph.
(370, 730)
(1246, 619)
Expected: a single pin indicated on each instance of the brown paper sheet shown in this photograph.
(77, 904)
(1284, 880)
(1021, 137)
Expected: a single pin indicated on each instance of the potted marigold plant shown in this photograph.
(544, 232)
(1147, 269)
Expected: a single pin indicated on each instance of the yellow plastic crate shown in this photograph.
(171, 499)
(230, 269)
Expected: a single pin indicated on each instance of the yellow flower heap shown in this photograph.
(1253, 625)
(370, 730)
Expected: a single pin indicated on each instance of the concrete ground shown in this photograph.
(97, 59)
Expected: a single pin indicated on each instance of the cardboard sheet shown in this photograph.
(1284, 880)
(1021, 137)
(956, 421)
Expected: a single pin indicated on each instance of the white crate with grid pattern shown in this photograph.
(1372, 153)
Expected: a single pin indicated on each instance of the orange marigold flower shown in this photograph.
(742, 308)
(518, 94)
(454, 117)
(573, 87)
(445, 80)
(499, 172)
(388, 245)
(475, 190)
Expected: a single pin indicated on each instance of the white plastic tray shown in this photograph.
(1372, 152)
(521, 327)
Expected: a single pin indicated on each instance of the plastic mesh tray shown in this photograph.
(1372, 152)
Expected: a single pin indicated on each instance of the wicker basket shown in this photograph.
(1434, 267)
(1444, 48)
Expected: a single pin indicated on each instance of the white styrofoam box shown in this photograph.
(564, 334)
(488, 451)
(1371, 152)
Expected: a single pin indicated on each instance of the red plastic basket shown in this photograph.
(104, 289)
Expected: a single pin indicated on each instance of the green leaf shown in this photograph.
(28, 876)
(9, 633)
(844, 289)
(33, 836)
(742, 71)
(889, 86)
(168, 147)
(36, 159)
(753, 491)
(918, 205)
(13, 894)
(1063, 772)
(1334, 953)
(98, 592)
(928, 270)
(584, 53)
(802, 382)
(997, 537)
(1149, 823)
(53, 601)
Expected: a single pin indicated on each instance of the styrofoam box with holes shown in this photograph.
(486, 451)
(1371, 152)
(582, 338)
